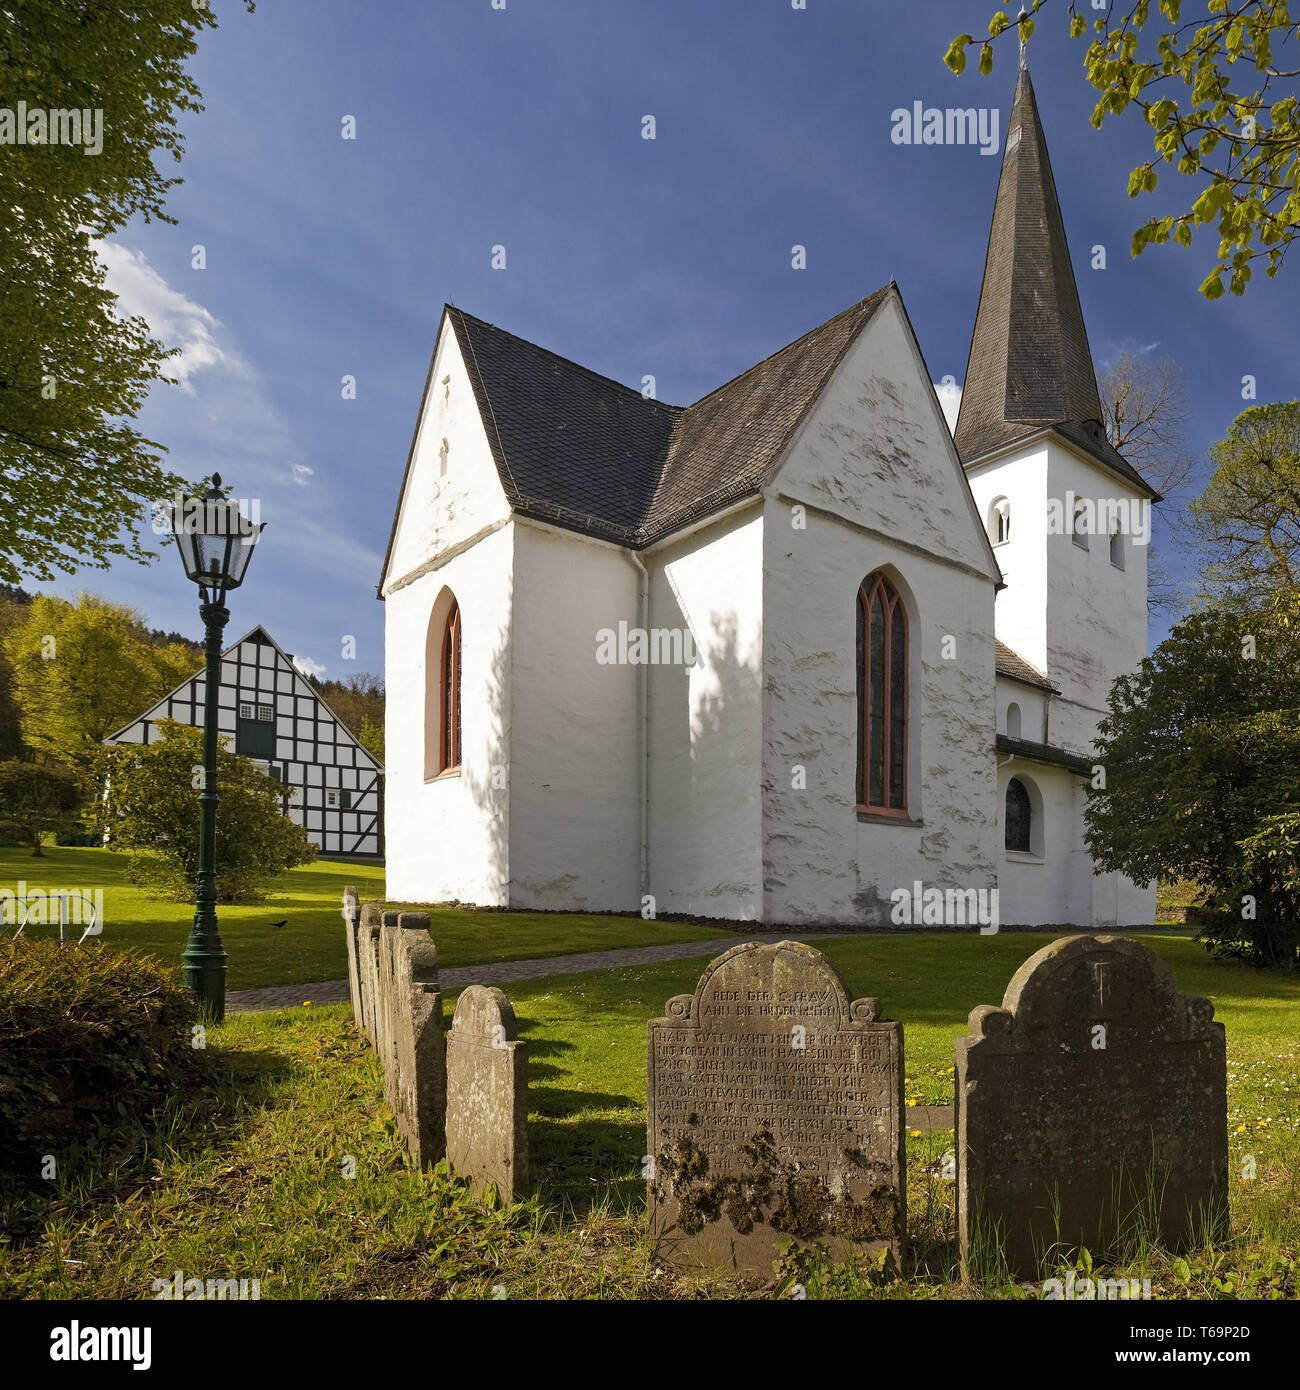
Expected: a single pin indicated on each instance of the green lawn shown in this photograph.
(310, 946)
(250, 1183)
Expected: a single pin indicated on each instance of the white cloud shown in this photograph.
(949, 394)
(301, 473)
(309, 667)
(173, 318)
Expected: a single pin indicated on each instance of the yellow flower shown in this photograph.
(306, 1003)
(1241, 1129)
(916, 1134)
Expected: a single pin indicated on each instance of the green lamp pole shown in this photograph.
(216, 543)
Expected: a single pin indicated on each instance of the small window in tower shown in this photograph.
(1116, 545)
(1079, 529)
(1000, 521)
(1013, 720)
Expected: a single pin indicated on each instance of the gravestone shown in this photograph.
(774, 1114)
(351, 927)
(367, 966)
(411, 1045)
(1095, 1097)
(487, 1093)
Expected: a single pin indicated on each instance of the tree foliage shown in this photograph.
(81, 670)
(359, 703)
(73, 372)
(1248, 518)
(35, 798)
(152, 807)
(1217, 90)
(1201, 749)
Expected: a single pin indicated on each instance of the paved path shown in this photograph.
(504, 972)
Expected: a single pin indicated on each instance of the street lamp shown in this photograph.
(216, 541)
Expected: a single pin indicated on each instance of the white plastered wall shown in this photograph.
(874, 470)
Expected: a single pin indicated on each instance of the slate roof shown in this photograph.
(1030, 366)
(1014, 667)
(1044, 753)
(584, 452)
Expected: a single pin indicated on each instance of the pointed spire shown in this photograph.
(1030, 365)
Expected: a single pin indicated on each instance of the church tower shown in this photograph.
(1069, 519)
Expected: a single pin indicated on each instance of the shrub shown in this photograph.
(91, 1041)
(153, 807)
(36, 797)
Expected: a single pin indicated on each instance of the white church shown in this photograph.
(783, 654)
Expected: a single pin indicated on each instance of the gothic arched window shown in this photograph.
(442, 718)
(1000, 521)
(1019, 817)
(882, 698)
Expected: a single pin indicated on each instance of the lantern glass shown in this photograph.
(215, 539)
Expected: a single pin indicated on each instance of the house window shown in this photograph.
(1116, 546)
(1079, 527)
(1013, 720)
(255, 736)
(266, 713)
(442, 710)
(331, 798)
(1018, 817)
(1000, 521)
(882, 698)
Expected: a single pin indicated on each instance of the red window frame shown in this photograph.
(876, 588)
(449, 675)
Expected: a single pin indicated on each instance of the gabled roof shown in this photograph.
(584, 452)
(263, 638)
(1030, 366)
(1014, 667)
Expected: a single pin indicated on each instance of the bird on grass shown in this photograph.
(280, 923)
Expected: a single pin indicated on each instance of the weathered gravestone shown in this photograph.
(351, 927)
(368, 966)
(408, 1034)
(1095, 1098)
(774, 1114)
(487, 1093)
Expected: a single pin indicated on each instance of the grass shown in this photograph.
(310, 945)
(249, 1181)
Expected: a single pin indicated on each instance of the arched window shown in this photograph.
(1116, 545)
(1019, 817)
(1000, 521)
(882, 698)
(1013, 720)
(442, 674)
(1079, 523)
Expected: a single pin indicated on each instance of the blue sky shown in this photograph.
(522, 127)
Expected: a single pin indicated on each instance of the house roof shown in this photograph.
(263, 638)
(1030, 366)
(1014, 667)
(584, 452)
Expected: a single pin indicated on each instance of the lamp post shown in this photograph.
(216, 543)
